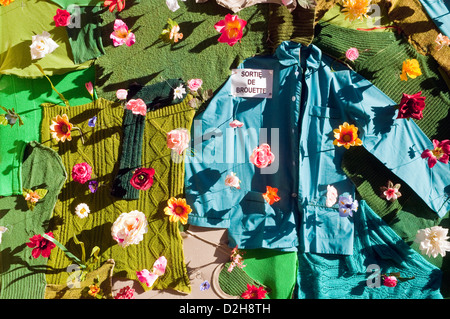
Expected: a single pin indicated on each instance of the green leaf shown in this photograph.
(83, 252)
(3, 120)
(25, 191)
(41, 192)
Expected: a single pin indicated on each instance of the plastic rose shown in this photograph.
(433, 241)
(332, 195)
(440, 152)
(121, 94)
(231, 28)
(81, 172)
(142, 178)
(232, 180)
(441, 41)
(262, 156)
(62, 18)
(137, 106)
(194, 84)
(411, 106)
(41, 45)
(352, 54)
(129, 228)
(178, 140)
(121, 35)
(236, 124)
(390, 281)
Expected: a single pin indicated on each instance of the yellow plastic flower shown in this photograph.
(410, 68)
(346, 135)
(355, 9)
(6, 2)
(178, 210)
(93, 290)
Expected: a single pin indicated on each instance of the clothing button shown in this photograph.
(293, 99)
(294, 195)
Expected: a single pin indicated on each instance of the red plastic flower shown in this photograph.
(62, 18)
(81, 172)
(41, 245)
(120, 4)
(142, 178)
(411, 106)
(441, 152)
(271, 195)
(125, 293)
(231, 28)
(254, 292)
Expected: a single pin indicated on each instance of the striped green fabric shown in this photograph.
(101, 149)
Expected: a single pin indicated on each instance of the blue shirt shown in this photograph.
(309, 100)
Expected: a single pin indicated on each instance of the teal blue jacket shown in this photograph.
(309, 100)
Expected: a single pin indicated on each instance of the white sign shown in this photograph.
(252, 83)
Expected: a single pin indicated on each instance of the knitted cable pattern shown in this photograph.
(101, 149)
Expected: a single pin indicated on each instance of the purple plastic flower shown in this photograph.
(205, 285)
(93, 186)
(92, 121)
(347, 205)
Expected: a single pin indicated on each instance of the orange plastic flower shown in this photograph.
(93, 290)
(355, 9)
(231, 28)
(410, 68)
(61, 128)
(271, 195)
(6, 2)
(346, 135)
(178, 210)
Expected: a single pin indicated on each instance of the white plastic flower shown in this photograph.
(179, 91)
(232, 180)
(2, 230)
(332, 195)
(82, 210)
(433, 241)
(41, 45)
(129, 228)
(173, 5)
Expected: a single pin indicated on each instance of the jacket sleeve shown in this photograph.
(397, 143)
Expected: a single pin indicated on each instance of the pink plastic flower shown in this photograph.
(178, 140)
(120, 4)
(352, 54)
(236, 124)
(391, 192)
(262, 156)
(390, 281)
(332, 195)
(149, 277)
(194, 84)
(232, 180)
(231, 28)
(81, 172)
(121, 35)
(441, 41)
(440, 153)
(137, 106)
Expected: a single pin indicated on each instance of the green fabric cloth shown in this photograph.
(155, 96)
(25, 96)
(274, 269)
(28, 18)
(101, 149)
(21, 275)
(197, 55)
(234, 283)
(66, 3)
(85, 39)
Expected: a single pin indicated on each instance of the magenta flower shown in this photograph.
(81, 172)
(121, 35)
(352, 54)
(440, 152)
(41, 246)
(390, 281)
(231, 28)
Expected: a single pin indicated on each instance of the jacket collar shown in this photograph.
(289, 52)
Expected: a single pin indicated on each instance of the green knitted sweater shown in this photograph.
(101, 149)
